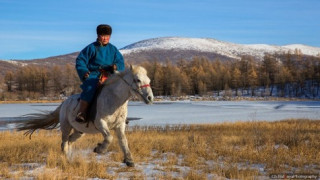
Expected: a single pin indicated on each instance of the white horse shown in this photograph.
(111, 112)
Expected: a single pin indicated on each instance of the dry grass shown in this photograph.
(242, 150)
(30, 101)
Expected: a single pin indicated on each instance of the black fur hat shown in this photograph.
(104, 29)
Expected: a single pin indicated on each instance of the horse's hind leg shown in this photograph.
(73, 137)
(124, 146)
(65, 129)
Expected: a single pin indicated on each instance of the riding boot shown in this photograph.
(82, 113)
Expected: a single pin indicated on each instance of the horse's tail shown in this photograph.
(45, 120)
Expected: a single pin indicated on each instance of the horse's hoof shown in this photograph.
(96, 150)
(129, 163)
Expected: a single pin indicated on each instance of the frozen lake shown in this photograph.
(188, 112)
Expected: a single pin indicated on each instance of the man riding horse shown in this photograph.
(94, 62)
(111, 106)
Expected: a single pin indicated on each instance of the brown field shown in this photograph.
(241, 150)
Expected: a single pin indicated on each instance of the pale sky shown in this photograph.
(43, 28)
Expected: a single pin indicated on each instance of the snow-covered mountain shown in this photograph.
(173, 49)
(207, 45)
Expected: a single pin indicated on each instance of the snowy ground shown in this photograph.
(150, 170)
(188, 112)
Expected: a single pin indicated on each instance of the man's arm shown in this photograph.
(119, 61)
(82, 62)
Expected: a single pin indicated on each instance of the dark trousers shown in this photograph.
(89, 87)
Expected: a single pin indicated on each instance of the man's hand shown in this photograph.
(110, 69)
(114, 66)
(86, 75)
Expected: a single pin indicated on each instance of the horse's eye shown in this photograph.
(138, 81)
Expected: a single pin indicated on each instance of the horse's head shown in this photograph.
(141, 84)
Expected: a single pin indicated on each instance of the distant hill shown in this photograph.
(57, 60)
(174, 48)
(61, 60)
(186, 48)
(6, 66)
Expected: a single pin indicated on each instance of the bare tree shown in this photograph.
(9, 80)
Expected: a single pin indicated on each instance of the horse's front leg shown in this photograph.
(102, 126)
(124, 145)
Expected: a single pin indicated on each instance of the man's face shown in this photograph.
(104, 39)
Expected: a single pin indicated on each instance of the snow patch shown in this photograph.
(17, 63)
(215, 46)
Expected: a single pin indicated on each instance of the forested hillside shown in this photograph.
(281, 75)
(284, 75)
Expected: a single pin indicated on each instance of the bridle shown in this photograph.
(137, 90)
(140, 87)
(143, 86)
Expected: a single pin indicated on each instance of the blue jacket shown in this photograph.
(95, 55)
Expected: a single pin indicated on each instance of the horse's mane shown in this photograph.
(139, 69)
(116, 76)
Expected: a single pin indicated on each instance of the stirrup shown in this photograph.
(81, 117)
